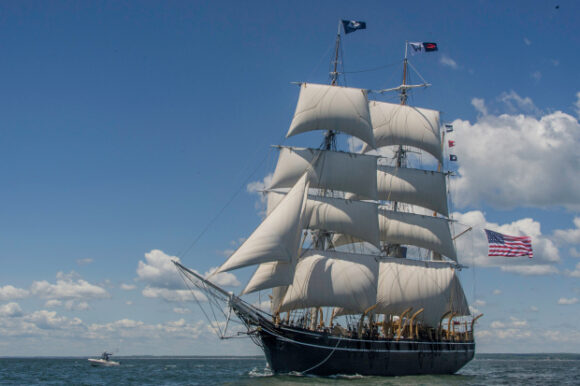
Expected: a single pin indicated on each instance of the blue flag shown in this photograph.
(452, 157)
(353, 25)
(448, 128)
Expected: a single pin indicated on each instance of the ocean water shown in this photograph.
(485, 369)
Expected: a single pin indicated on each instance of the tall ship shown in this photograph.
(356, 250)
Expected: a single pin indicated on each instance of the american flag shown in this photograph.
(504, 245)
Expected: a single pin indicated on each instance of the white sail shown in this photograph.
(270, 275)
(395, 124)
(414, 186)
(428, 232)
(327, 278)
(407, 283)
(277, 238)
(347, 172)
(355, 218)
(325, 107)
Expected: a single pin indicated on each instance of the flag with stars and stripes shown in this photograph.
(511, 246)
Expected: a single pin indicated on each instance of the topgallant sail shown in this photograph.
(335, 247)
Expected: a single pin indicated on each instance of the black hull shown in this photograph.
(288, 350)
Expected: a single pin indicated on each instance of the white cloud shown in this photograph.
(185, 295)
(534, 309)
(496, 292)
(67, 287)
(9, 292)
(479, 105)
(258, 187)
(84, 261)
(179, 310)
(50, 320)
(10, 310)
(447, 61)
(536, 75)
(72, 305)
(159, 271)
(567, 301)
(509, 160)
(479, 303)
(515, 104)
(473, 246)
(225, 279)
(527, 42)
(515, 322)
(569, 236)
(577, 104)
(128, 287)
(53, 303)
(575, 272)
(497, 324)
(164, 281)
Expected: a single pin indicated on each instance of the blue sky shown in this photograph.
(130, 132)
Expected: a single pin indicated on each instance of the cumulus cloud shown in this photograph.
(9, 292)
(515, 159)
(67, 286)
(164, 281)
(159, 271)
(50, 320)
(569, 236)
(577, 104)
(182, 295)
(10, 310)
(473, 247)
(575, 272)
(128, 287)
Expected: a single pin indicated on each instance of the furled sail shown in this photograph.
(355, 218)
(414, 186)
(347, 172)
(334, 279)
(277, 238)
(428, 232)
(395, 124)
(325, 107)
(407, 283)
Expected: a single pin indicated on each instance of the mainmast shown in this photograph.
(395, 250)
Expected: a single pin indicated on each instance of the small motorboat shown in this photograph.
(104, 360)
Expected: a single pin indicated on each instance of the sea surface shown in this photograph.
(485, 369)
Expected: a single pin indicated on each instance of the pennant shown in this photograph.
(451, 143)
(423, 47)
(510, 246)
(353, 25)
(448, 128)
(452, 157)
